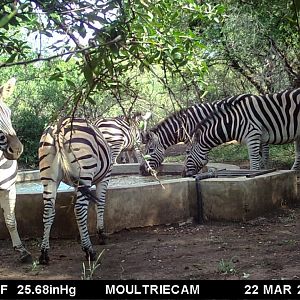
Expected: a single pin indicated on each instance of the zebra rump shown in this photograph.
(123, 133)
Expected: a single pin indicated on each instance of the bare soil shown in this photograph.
(264, 248)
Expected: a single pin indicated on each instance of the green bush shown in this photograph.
(29, 128)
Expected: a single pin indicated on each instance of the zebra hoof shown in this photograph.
(90, 255)
(102, 238)
(44, 258)
(25, 257)
(187, 173)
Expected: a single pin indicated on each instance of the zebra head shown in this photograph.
(154, 153)
(10, 144)
(196, 157)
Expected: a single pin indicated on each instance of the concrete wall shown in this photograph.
(241, 198)
(137, 206)
(147, 204)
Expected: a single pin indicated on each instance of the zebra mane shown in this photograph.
(177, 115)
(127, 118)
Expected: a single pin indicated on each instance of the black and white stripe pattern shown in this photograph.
(76, 152)
(174, 129)
(249, 119)
(122, 133)
(10, 150)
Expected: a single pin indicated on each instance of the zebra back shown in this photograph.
(274, 115)
(121, 133)
(75, 146)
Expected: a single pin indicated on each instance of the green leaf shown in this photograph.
(5, 20)
(88, 74)
(56, 77)
(144, 3)
(12, 58)
(91, 100)
(147, 157)
(71, 83)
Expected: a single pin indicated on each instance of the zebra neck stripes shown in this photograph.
(176, 128)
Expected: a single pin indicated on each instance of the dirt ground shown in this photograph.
(264, 248)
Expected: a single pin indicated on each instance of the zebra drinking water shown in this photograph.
(75, 152)
(249, 119)
(174, 129)
(178, 127)
(10, 150)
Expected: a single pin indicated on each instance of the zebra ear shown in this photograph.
(7, 89)
(145, 118)
(145, 137)
(148, 136)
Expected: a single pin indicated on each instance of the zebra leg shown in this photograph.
(8, 206)
(81, 214)
(101, 189)
(138, 155)
(265, 153)
(49, 196)
(296, 164)
(253, 151)
(123, 157)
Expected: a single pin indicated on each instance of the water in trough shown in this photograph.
(121, 180)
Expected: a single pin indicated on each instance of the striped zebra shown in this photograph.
(74, 151)
(123, 133)
(176, 128)
(78, 165)
(249, 119)
(10, 150)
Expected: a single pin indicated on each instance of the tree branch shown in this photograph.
(30, 61)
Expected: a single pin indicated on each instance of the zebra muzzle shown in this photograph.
(14, 148)
(144, 170)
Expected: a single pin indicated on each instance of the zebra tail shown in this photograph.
(64, 162)
(88, 193)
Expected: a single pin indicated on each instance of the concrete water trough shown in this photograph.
(135, 201)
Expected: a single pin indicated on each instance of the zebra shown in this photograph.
(115, 133)
(74, 151)
(123, 133)
(10, 150)
(178, 127)
(249, 119)
(172, 130)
